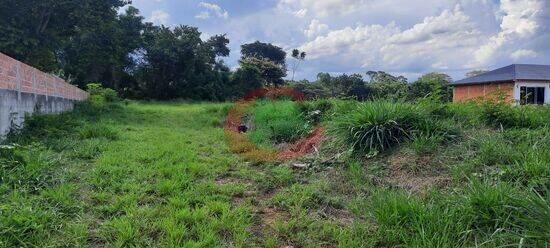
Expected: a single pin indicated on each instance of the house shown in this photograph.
(519, 83)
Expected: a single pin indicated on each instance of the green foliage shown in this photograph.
(385, 86)
(502, 114)
(145, 170)
(377, 126)
(246, 79)
(36, 31)
(278, 121)
(271, 72)
(343, 85)
(266, 51)
(435, 85)
(179, 64)
(97, 91)
(314, 111)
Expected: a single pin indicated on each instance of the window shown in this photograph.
(531, 95)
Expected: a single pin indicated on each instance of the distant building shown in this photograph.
(521, 84)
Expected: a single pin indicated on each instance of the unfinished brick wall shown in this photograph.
(474, 92)
(24, 90)
(23, 78)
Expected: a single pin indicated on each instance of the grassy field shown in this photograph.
(138, 174)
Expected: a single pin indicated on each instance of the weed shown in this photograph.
(279, 121)
(376, 126)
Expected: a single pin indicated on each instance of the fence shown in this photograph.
(25, 90)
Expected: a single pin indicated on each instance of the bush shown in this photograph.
(314, 111)
(502, 114)
(278, 121)
(96, 90)
(377, 126)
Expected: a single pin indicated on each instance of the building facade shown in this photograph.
(518, 83)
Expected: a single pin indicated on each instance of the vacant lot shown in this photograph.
(161, 174)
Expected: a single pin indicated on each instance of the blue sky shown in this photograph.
(403, 37)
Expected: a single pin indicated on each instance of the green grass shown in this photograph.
(154, 174)
(277, 122)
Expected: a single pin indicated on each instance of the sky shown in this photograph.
(402, 37)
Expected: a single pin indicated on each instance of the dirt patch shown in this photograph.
(303, 146)
(269, 216)
(340, 216)
(417, 174)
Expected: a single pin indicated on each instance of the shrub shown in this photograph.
(314, 111)
(376, 126)
(96, 90)
(278, 121)
(503, 114)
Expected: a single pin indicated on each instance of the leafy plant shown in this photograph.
(376, 126)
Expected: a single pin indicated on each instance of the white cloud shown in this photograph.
(322, 8)
(159, 17)
(315, 28)
(203, 15)
(212, 10)
(520, 20)
(437, 42)
(301, 13)
(523, 53)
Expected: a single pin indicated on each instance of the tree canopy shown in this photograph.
(264, 50)
(432, 84)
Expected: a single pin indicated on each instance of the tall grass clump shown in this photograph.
(377, 126)
(278, 121)
(504, 216)
(404, 219)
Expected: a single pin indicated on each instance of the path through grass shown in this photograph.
(161, 175)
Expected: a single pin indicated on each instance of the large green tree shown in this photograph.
(264, 50)
(271, 73)
(177, 63)
(103, 50)
(435, 85)
(386, 86)
(36, 31)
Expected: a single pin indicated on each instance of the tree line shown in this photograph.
(379, 85)
(87, 41)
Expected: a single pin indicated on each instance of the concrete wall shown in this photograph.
(24, 90)
(462, 93)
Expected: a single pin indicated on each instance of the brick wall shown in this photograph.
(23, 78)
(462, 93)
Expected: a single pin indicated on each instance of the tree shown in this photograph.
(386, 86)
(343, 85)
(35, 31)
(475, 73)
(102, 51)
(432, 84)
(246, 79)
(271, 73)
(265, 51)
(298, 57)
(178, 64)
